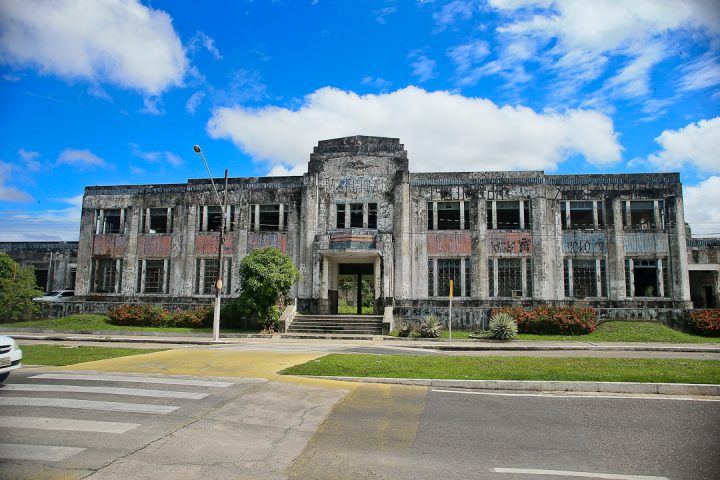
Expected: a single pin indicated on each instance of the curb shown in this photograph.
(132, 333)
(520, 348)
(69, 338)
(544, 386)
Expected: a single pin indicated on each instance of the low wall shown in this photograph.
(50, 310)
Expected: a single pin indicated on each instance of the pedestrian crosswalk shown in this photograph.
(51, 417)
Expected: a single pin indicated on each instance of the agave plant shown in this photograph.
(430, 327)
(405, 329)
(503, 327)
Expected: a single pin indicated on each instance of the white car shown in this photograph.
(55, 296)
(10, 357)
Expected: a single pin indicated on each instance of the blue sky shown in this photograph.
(118, 91)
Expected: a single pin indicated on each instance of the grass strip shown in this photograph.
(617, 331)
(59, 355)
(514, 368)
(102, 322)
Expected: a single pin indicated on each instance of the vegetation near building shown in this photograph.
(17, 289)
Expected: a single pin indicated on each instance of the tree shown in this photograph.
(17, 289)
(266, 276)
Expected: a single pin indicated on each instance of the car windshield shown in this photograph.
(52, 294)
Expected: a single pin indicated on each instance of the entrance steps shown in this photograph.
(328, 324)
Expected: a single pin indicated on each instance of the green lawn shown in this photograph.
(615, 331)
(351, 310)
(513, 368)
(59, 355)
(102, 322)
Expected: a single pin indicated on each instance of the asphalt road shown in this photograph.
(456, 435)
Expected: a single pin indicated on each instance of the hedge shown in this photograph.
(552, 320)
(705, 322)
(157, 316)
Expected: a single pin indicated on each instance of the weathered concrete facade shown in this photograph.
(55, 263)
(704, 271)
(612, 241)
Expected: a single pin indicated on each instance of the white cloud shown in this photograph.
(381, 13)
(422, 67)
(116, 41)
(452, 12)
(576, 39)
(164, 156)
(62, 223)
(28, 157)
(7, 193)
(194, 102)
(697, 144)
(202, 40)
(702, 207)
(152, 106)
(441, 131)
(80, 158)
(466, 56)
(379, 83)
(701, 73)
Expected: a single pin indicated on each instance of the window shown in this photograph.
(210, 218)
(643, 214)
(356, 215)
(508, 214)
(268, 217)
(581, 277)
(153, 276)
(510, 277)
(372, 215)
(110, 220)
(361, 215)
(646, 277)
(156, 220)
(206, 274)
(442, 270)
(586, 215)
(340, 215)
(448, 215)
(107, 275)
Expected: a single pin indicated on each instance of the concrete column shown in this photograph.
(122, 229)
(118, 275)
(435, 215)
(145, 228)
(403, 252)
(595, 214)
(204, 226)
(679, 276)
(480, 281)
(347, 216)
(281, 217)
(169, 220)
(166, 275)
(462, 217)
(201, 278)
(521, 204)
(256, 227)
(324, 284)
(378, 278)
(307, 227)
(143, 275)
(616, 251)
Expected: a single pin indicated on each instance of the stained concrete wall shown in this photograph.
(374, 170)
(56, 262)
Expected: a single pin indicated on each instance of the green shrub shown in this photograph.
(149, 315)
(404, 329)
(17, 289)
(552, 320)
(704, 322)
(431, 327)
(503, 327)
(193, 318)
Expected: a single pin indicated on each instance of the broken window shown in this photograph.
(206, 274)
(340, 215)
(455, 269)
(448, 215)
(646, 277)
(268, 217)
(508, 214)
(372, 215)
(110, 220)
(153, 276)
(156, 220)
(643, 214)
(107, 275)
(356, 215)
(505, 277)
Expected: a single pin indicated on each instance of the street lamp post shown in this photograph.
(218, 281)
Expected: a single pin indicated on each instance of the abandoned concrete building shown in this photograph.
(610, 241)
(55, 263)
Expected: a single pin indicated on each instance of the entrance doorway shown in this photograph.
(356, 288)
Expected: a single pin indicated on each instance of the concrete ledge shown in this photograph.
(545, 386)
(133, 333)
(591, 347)
(324, 336)
(169, 341)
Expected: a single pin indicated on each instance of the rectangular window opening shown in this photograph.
(157, 222)
(111, 221)
(645, 278)
(356, 215)
(340, 215)
(269, 218)
(510, 277)
(448, 215)
(508, 214)
(372, 215)
(449, 269)
(581, 215)
(584, 278)
(642, 214)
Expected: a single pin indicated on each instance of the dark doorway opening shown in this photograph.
(709, 297)
(356, 288)
(41, 277)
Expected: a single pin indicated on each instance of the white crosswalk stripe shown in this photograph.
(137, 392)
(134, 379)
(72, 425)
(62, 393)
(41, 453)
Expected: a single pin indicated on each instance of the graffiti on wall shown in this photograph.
(356, 185)
(267, 239)
(509, 242)
(449, 243)
(581, 243)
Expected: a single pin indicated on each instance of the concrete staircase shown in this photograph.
(334, 324)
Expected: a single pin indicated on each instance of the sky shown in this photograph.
(106, 92)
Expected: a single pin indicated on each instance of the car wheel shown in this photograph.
(4, 376)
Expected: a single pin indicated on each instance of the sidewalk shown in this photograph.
(170, 338)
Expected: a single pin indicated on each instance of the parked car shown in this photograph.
(55, 296)
(10, 357)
